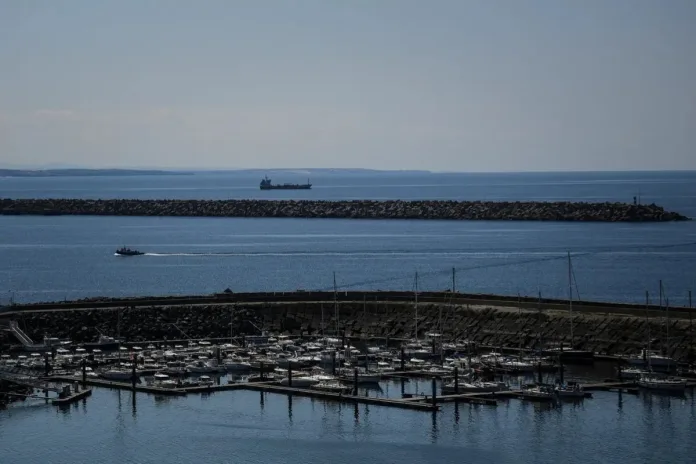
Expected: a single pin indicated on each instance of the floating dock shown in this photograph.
(270, 387)
(121, 385)
(416, 402)
(398, 403)
(72, 398)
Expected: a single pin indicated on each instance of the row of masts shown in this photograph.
(571, 279)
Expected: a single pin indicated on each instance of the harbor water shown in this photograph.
(244, 426)
(55, 258)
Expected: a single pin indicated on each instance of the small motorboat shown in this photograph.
(537, 393)
(664, 384)
(331, 386)
(123, 251)
(571, 390)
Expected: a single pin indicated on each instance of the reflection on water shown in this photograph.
(285, 428)
(290, 409)
(134, 408)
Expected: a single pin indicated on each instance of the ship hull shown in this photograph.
(287, 187)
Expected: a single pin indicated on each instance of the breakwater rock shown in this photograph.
(500, 327)
(356, 209)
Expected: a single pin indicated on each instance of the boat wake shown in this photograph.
(396, 253)
(351, 253)
(193, 254)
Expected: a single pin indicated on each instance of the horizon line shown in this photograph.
(406, 170)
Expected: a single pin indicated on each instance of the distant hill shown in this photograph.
(296, 172)
(87, 172)
(324, 172)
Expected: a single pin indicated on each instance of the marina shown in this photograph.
(324, 232)
(201, 367)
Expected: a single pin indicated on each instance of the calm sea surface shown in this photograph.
(55, 258)
(49, 258)
(250, 427)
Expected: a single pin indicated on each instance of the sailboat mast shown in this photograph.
(691, 329)
(539, 323)
(364, 307)
(647, 320)
(667, 331)
(519, 323)
(415, 287)
(335, 302)
(570, 300)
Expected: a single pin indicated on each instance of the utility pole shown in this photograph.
(454, 280)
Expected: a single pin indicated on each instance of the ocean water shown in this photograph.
(49, 258)
(56, 258)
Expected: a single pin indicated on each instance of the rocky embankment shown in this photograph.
(606, 333)
(357, 209)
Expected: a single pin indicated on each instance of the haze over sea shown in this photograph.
(55, 258)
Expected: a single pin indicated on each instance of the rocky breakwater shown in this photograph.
(500, 327)
(606, 333)
(357, 209)
(139, 324)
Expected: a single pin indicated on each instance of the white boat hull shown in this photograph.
(238, 367)
(666, 386)
(117, 376)
(570, 393)
(300, 382)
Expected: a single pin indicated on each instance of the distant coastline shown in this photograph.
(87, 172)
(118, 172)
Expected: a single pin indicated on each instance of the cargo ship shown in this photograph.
(267, 185)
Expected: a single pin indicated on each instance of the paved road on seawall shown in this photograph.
(459, 299)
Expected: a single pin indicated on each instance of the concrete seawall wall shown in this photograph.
(607, 333)
(456, 298)
(358, 209)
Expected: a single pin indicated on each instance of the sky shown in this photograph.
(444, 85)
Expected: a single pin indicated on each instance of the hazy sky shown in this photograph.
(457, 85)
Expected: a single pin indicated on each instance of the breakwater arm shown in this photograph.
(491, 323)
(356, 209)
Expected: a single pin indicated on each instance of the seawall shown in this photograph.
(608, 333)
(356, 209)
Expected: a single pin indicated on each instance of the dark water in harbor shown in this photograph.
(70, 257)
(243, 426)
(54, 258)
